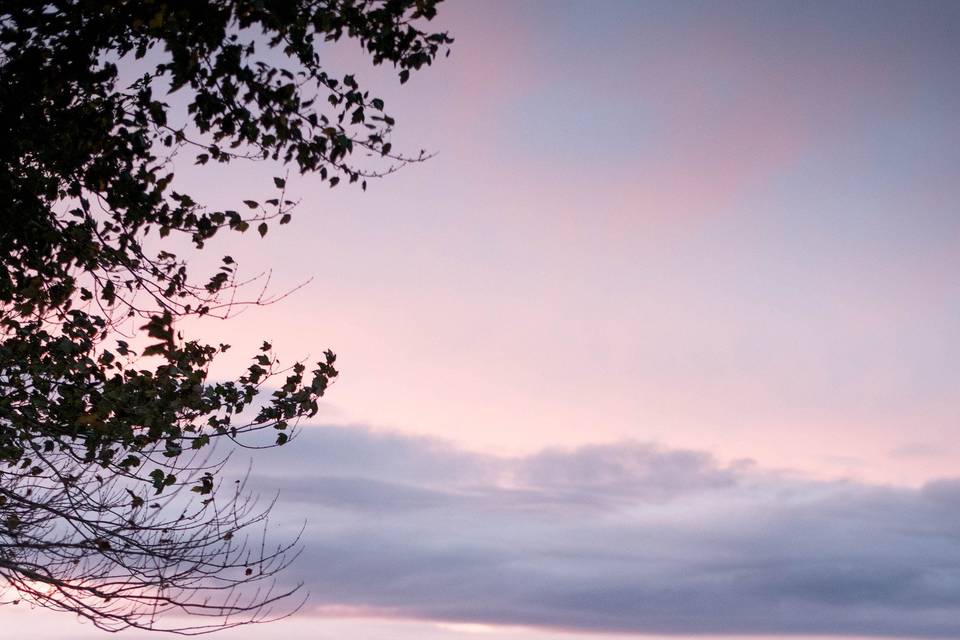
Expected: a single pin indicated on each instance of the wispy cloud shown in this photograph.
(626, 537)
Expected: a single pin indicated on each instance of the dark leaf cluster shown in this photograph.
(110, 497)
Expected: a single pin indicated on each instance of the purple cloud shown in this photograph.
(627, 538)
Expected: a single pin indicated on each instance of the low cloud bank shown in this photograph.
(626, 538)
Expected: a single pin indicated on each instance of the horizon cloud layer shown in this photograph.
(628, 538)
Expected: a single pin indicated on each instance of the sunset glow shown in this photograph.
(663, 342)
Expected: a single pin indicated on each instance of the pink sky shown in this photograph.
(722, 228)
(678, 229)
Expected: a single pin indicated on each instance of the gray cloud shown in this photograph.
(630, 469)
(625, 537)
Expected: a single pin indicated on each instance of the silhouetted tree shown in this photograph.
(110, 503)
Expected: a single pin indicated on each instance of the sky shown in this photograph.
(662, 342)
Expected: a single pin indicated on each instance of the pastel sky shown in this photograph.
(664, 340)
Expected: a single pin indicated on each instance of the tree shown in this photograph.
(110, 500)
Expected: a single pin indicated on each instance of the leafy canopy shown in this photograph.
(106, 409)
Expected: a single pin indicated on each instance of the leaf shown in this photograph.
(253, 204)
(135, 501)
(155, 349)
(262, 229)
(280, 182)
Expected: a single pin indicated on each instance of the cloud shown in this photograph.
(631, 469)
(626, 537)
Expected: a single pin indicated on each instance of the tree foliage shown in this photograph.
(110, 502)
